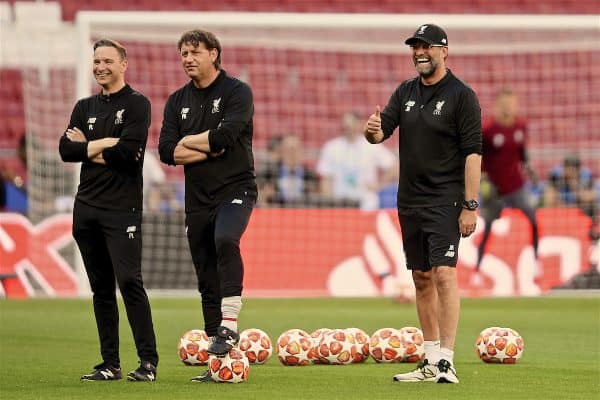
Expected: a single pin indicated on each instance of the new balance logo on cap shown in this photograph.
(236, 201)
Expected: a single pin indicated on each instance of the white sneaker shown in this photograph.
(424, 372)
(446, 372)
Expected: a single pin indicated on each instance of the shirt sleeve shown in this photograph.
(390, 116)
(133, 138)
(237, 113)
(73, 151)
(468, 123)
(169, 133)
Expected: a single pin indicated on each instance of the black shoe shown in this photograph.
(224, 341)
(146, 372)
(203, 378)
(103, 372)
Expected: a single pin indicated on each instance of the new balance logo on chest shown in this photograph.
(91, 121)
(184, 112)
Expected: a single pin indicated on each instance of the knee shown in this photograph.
(129, 282)
(423, 280)
(226, 243)
(445, 277)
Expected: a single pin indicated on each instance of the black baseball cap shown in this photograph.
(429, 33)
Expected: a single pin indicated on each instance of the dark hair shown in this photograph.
(572, 160)
(197, 36)
(111, 43)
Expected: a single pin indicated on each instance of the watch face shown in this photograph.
(471, 204)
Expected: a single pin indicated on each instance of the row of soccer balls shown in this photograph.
(334, 346)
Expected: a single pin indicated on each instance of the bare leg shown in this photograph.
(427, 304)
(449, 304)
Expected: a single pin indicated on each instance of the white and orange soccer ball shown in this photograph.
(256, 344)
(293, 347)
(386, 346)
(362, 342)
(316, 337)
(499, 345)
(192, 347)
(413, 343)
(338, 347)
(233, 368)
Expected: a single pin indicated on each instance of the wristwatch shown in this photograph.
(470, 205)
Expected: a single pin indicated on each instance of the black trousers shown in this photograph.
(110, 243)
(214, 235)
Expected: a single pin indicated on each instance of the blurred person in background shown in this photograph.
(13, 187)
(208, 128)
(107, 133)
(292, 182)
(505, 164)
(351, 171)
(159, 193)
(439, 120)
(572, 185)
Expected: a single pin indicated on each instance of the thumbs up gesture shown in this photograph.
(373, 132)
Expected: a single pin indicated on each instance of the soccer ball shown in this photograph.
(256, 344)
(293, 347)
(192, 347)
(316, 337)
(499, 345)
(412, 341)
(337, 347)
(233, 368)
(386, 346)
(362, 341)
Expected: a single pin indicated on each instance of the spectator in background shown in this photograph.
(13, 187)
(288, 181)
(505, 167)
(264, 173)
(572, 185)
(352, 172)
(159, 194)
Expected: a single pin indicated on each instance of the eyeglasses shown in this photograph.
(424, 46)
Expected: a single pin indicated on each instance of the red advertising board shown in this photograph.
(331, 252)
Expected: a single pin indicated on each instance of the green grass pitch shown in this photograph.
(46, 345)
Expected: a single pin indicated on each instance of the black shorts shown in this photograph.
(430, 236)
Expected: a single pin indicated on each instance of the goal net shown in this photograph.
(306, 72)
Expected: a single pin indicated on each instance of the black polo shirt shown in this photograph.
(124, 115)
(439, 126)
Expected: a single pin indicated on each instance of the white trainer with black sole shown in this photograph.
(424, 372)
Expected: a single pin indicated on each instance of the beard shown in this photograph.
(428, 71)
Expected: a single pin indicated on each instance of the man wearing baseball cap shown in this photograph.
(439, 122)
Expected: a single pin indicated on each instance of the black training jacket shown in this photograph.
(126, 115)
(225, 108)
(439, 126)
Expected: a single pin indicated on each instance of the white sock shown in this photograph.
(432, 349)
(230, 309)
(447, 355)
